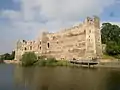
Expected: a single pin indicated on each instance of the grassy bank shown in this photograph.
(52, 62)
(30, 59)
(105, 56)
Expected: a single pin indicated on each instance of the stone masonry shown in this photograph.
(82, 41)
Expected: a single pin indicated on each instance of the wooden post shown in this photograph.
(88, 65)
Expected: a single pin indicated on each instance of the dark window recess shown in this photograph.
(48, 45)
(84, 31)
(30, 47)
(57, 42)
(53, 37)
(40, 42)
(25, 48)
(40, 48)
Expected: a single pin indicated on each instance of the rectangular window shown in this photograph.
(30, 47)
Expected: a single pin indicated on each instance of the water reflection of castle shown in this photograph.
(65, 78)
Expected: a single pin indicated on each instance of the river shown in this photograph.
(13, 77)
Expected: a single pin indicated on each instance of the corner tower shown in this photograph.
(98, 42)
(93, 38)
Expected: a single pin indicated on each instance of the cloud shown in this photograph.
(35, 15)
(65, 10)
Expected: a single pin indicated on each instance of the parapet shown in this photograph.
(94, 20)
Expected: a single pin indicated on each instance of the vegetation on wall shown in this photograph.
(111, 37)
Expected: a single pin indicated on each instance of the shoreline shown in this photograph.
(102, 64)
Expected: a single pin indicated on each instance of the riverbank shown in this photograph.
(11, 61)
(104, 63)
(109, 64)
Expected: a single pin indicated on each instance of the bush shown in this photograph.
(41, 57)
(112, 48)
(117, 56)
(40, 63)
(28, 59)
(51, 62)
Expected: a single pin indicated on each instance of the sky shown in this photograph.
(25, 19)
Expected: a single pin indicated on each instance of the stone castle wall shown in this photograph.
(81, 41)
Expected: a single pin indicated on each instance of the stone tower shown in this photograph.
(98, 37)
(18, 50)
(93, 38)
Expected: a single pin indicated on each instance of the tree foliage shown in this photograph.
(110, 33)
(112, 48)
(7, 56)
(111, 37)
(28, 58)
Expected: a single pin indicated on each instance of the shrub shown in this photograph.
(51, 62)
(41, 63)
(63, 63)
(41, 57)
(47, 62)
(28, 59)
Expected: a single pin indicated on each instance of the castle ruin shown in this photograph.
(82, 41)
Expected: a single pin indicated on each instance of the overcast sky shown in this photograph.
(24, 19)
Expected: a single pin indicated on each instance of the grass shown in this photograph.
(105, 56)
(52, 62)
(30, 59)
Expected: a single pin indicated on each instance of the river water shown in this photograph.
(13, 77)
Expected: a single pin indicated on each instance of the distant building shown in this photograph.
(78, 42)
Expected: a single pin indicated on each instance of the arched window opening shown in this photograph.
(48, 45)
(25, 48)
(40, 48)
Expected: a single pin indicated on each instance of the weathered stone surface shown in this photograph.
(81, 41)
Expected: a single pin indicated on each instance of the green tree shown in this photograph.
(110, 33)
(12, 56)
(28, 59)
(111, 37)
(8, 56)
(112, 48)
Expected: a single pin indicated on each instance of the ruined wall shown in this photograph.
(67, 44)
(81, 41)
